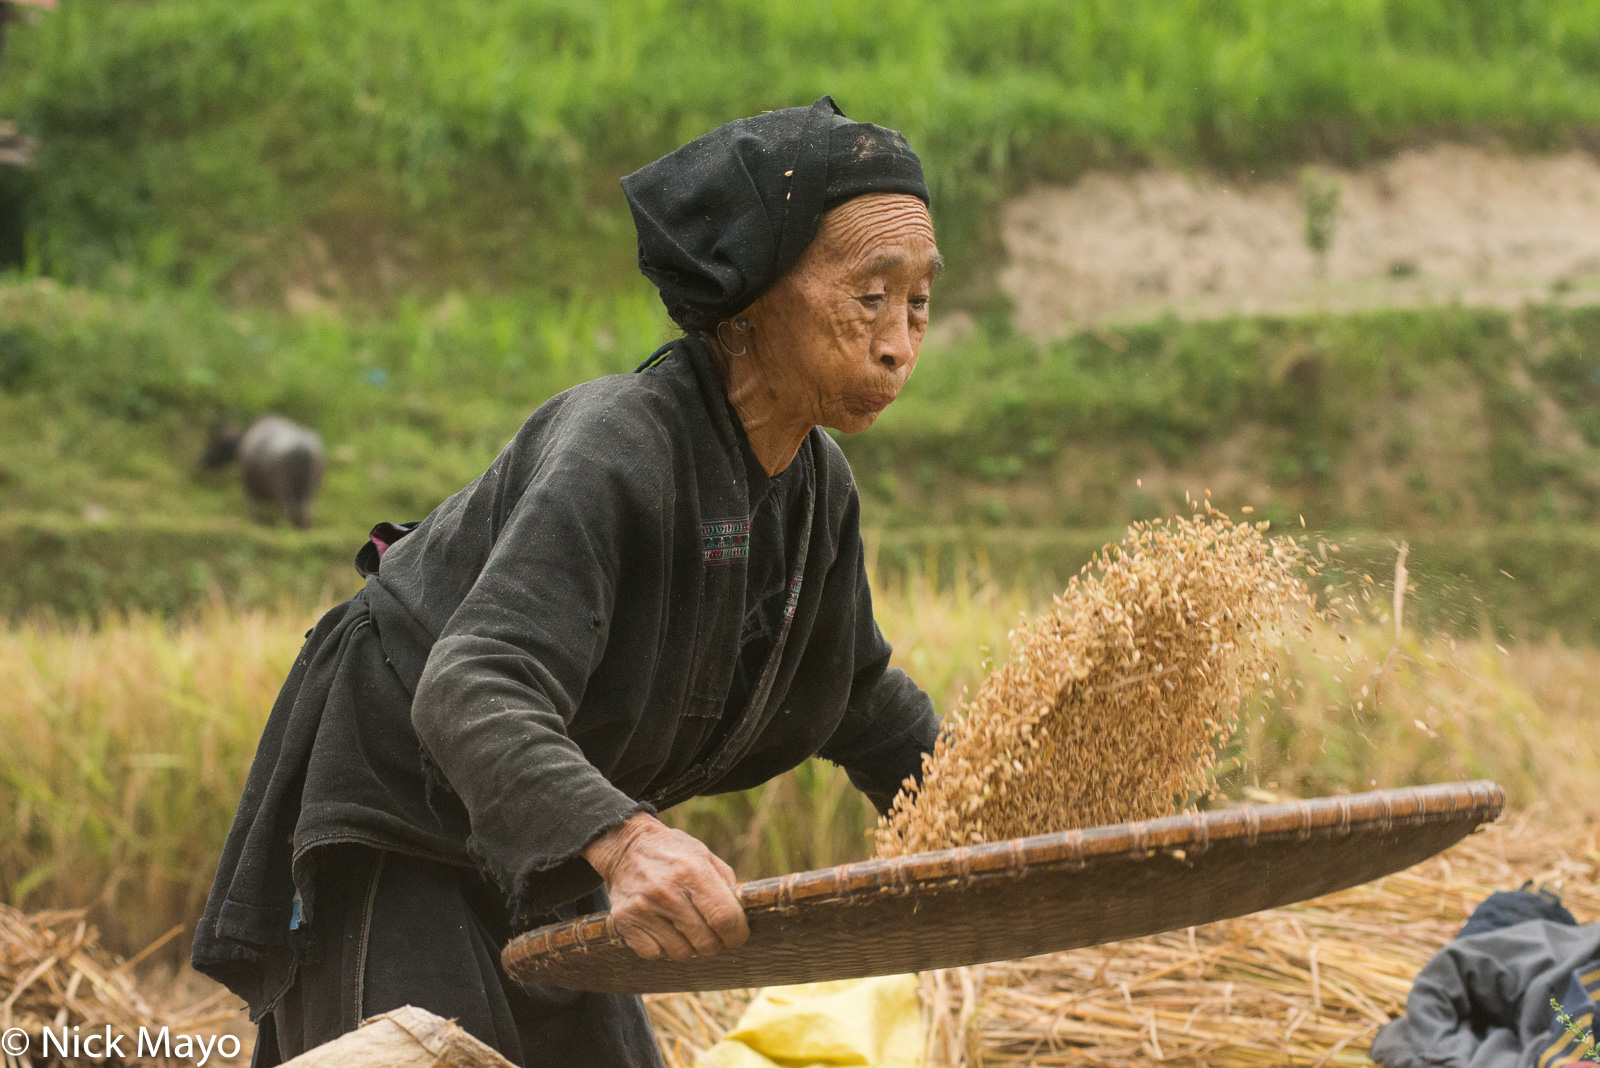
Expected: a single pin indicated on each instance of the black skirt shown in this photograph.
(393, 930)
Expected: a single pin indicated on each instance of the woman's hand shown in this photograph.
(670, 895)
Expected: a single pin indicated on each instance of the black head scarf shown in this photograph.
(723, 217)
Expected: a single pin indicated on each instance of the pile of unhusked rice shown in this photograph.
(1115, 701)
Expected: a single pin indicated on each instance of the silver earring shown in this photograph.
(738, 324)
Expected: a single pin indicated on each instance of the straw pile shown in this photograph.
(689, 1024)
(55, 974)
(1114, 702)
(1304, 985)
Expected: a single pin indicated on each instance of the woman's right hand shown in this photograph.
(670, 895)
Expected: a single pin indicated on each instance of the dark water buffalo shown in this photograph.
(280, 464)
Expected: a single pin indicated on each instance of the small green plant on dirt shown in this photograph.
(1319, 196)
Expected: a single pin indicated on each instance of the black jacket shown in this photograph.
(548, 653)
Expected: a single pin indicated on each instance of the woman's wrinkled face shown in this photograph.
(839, 334)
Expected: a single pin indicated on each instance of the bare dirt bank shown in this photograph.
(1449, 223)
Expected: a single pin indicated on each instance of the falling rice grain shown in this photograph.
(1203, 600)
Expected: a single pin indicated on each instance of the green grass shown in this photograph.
(1472, 432)
(1393, 419)
(377, 149)
(1401, 420)
(440, 180)
(106, 401)
(1523, 583)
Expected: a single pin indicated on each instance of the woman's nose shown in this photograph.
(893, 345)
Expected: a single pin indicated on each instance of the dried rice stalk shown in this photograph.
(1304, 985)
(689, 1024)
(1115, 702)
(54, 973)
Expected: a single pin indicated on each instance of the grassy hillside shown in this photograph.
(106, 401)
(360, 151)
(400, 224)
(1397, 419)
(1474, 433)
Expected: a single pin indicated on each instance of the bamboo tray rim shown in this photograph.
(1183, 835)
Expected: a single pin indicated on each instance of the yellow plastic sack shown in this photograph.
(865, 1023)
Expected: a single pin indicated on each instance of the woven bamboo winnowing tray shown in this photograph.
(1050, 892)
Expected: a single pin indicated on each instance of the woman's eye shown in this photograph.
(873, 300)
(919, 303)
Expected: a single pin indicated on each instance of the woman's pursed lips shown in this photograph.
(875, 402)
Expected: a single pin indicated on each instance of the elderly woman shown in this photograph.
(656, 591)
